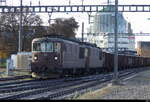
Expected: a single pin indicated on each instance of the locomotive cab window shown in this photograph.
(36, 47)
(46, 46)
(57, 47)
(43, 46)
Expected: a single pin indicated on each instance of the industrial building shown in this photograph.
(101, 32)
(143, 48)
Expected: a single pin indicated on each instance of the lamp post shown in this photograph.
(20, 29)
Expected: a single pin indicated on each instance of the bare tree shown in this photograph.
(10, 26)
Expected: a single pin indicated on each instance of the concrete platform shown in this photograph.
(136, 87)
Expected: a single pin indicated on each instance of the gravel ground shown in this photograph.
(137, 88)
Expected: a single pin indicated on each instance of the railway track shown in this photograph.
(97, 84)
(49, 86)
(71, 91)
(56, 89)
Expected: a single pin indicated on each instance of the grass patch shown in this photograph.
(2, 65)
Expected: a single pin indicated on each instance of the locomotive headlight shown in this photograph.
(55, 58)
(35, 57)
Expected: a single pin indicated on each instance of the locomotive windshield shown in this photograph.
(46, 46)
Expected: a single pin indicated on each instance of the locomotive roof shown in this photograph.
(60, 38)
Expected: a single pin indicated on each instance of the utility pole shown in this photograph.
(2, 2)
(30, 3)
(82, 26)
(49, 15)
(20, 29)
(108, 2)
(69, 2)
(82, 31)
(116, 45)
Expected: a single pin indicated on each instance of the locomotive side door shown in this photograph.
(87, 57)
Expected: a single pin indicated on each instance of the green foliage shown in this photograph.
(65, 27)
(3, 65)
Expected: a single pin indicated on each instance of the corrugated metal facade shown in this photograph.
(143, 49)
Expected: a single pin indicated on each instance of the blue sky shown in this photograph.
(138, 21)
